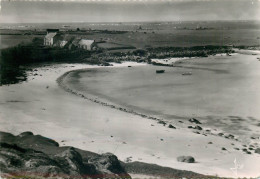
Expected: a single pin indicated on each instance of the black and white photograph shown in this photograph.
(161, 89)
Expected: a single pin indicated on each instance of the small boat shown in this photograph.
(160, 71)
(187, 73)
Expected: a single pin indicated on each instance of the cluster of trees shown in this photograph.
(13, 59)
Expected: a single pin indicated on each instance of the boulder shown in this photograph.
(108, 164)
(186, 159)
(193, 120)
(27, 133)
(171, 126)
(198, 128)
(71, 161)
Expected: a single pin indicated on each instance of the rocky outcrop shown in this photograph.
(35, 156)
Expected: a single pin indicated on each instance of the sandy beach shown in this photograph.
(40, 105)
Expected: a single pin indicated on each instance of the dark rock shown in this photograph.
(71, 161)
(108, 163)
(15, 160)
(36, 140)
(236, 148)
(186, 159)
(162, 122)
(171, 126)
(220, 134)
(190, 127)
(245, 150)
(18, 156)
(230, 136)
(223, 148)
(210, 143)
(28, 133)
(193, 120)
(198, 128)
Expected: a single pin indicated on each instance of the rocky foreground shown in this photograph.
(34, 156)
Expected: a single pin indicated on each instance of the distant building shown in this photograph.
(63, 43)
(74, 44)
(87, 44)
(52, 30)
(51, 37)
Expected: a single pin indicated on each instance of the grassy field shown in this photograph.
(141, 35)
(114, 46)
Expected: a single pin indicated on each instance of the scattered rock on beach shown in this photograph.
(162, 122)
(220, 134)
(198, 128)
(193, 120)
(171, 126)
(186, 159)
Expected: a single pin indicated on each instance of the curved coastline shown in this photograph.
(95, 98)
(61, 83)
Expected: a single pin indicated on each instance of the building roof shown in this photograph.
(52, 30)
(50, 35)
(86, 42)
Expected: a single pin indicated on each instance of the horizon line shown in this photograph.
(130, 21)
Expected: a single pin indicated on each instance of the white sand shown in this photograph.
(42, 107)
(169, 61)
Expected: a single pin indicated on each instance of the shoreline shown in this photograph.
(37, 107)
(94, 98)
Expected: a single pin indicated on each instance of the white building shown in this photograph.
(49, 39)
(86, 44)
(63, 43)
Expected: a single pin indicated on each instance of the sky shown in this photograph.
(45, 11)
